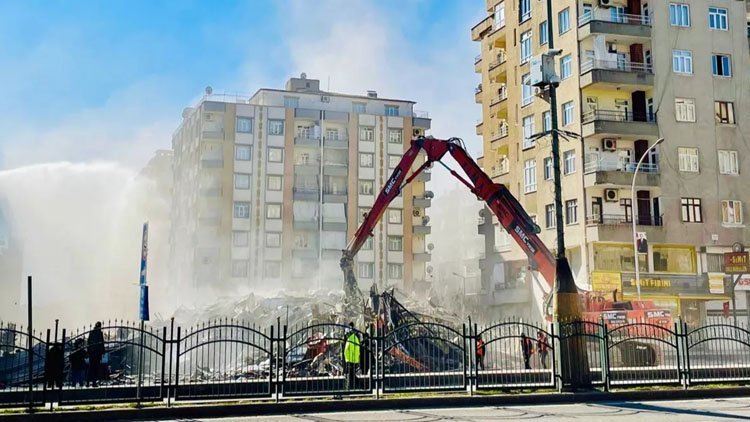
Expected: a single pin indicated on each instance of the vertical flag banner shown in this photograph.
(144, 288)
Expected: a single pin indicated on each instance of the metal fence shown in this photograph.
(228, 359)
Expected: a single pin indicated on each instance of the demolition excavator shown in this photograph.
(513, 218)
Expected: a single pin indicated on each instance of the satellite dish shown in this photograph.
(303, 75)
(429, 270)
(430, 246)
(209, 90)
(429, 194)
(425, 220)
(738, 247)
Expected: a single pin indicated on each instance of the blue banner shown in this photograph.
(144, 303)
(144, 254)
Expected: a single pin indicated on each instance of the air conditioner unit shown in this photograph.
(611, 195)
(609, 144)
(325, 99)
(415, 213)
(605, 3)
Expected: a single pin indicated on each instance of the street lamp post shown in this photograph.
(635, 213)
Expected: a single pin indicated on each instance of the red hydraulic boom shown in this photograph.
(508, 210)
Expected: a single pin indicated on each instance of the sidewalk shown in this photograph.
(233, 409)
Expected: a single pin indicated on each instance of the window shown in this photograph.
(679, 14)
(724, 112)
(567, 115)
(391, 110)
(365, 187)
(525, 46)
(715, 262)
(566, 67)
(366, 134)
(272, 269)
(728, 162)
(275, 127)
(239, 268)
(571, 211)
(242, 152)
(241, 181)
(366, 269)
(365, 159)
(616, 257)
(367, 246)
(721, 65)
(528, 130)
(527, 91)
(395, 271)
(244, 125)
(546, 121)
(548, 168)
(273, 211)
(549, 216)
(731, 212)
(682, 61)
(395, 243)
(395, 216)
(274, 183)
(362, 213)
(674, 259)
(395, 136)
(563, 20)
(529, 176)
(717, 18)
(240, 239)
(273, 240)
(393, 161)
(543, 33)
(241, 210)
(275, 155)
(499, 15)
(291, 102)
(359, 107)
(627, 209)
(684, 109)
(524, 10)
(688, 158)
(691, 210)
(569, 161)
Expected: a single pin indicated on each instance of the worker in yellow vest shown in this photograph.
(351, 356)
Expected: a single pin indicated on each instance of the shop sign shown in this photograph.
(716, 283)
(736, 262)
(605, 282)
(743, 284)
(667, 284)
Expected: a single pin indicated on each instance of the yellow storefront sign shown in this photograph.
(716, 283)
(606, 282)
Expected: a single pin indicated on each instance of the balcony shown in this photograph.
(496, 67)
(310, 167)
(478, 94)
(302, 193)
(424, 176)
(623, 25)
(622, 219)
(502, 132)
(600, 172)
(335, 168)
(334, 195)
(212, 162)
(213, 134)
(421, 119)
(306, 225)
(618, 122)
(480, 29)
(416, 229)
(307, 138)
(479, 127)
(632, 76)
(339, 142)
(422, 257)
(421, 202)
(499, 169)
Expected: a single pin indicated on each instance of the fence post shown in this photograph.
(557, 356)
(551, 341)
(171, 356)
(271, 364)
(683, 351)
(177, 364)
(59, 390)
(368, 350)
(282, 366)
(465, 338)
(163, 360)
(30, 344)
(46, 378)
(604, 353)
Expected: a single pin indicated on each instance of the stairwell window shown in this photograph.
(688, 158)
(241, 181)
(528, 130)
(525, 46)
(365, 187)
(527, 91)
(529, 176)
(721, 65)
(275, 127)
(395, 243)
(731, 212)
(682, 61)
(273, 211)
(244, 125)
(395, 216)
(571, 211)
(366, 134)
(241, 210)
(549, 216)
(684, 109)
(728, 162)
(717, 18)
(275, 155)
(242, 152)
(365, 159)
(274, 183)
(679, 14)
(724, 112)
(691, 210)
(395, 136)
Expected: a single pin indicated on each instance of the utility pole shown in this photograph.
(575, 372)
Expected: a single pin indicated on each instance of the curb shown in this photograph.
(302, 407)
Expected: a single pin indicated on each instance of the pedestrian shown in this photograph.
(480, 353)
(77, 360)
(542, 347)
(528, 348)
(351, 356)
(54, 364)
(96, 351)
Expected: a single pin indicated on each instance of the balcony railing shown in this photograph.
(619, 65)
(421, 114)
(502, 95)
(478, 89)
(625, 18)
(330, 190)
(617, 116)
(623, 219)
(477, 58)
(501, 133)
(500, 59)
(602, 165)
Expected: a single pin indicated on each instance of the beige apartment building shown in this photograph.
(631, 71)
(269, 188)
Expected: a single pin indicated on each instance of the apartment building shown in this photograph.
(269, 188)
(631, 72)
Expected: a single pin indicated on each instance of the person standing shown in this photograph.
(351, 356)
(78, 363)
(527, 347)
(542, 347)
(96, 351)
(480, 353)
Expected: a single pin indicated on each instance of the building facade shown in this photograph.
(631, 71)
(268, 189)
(11, 266)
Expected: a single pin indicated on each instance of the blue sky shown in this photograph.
(91, 80)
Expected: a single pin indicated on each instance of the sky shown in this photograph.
(90, 81)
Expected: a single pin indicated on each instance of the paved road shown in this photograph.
(689, 410)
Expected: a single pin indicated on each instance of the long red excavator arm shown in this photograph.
(508, 210)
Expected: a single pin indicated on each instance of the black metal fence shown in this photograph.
(223, 359)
